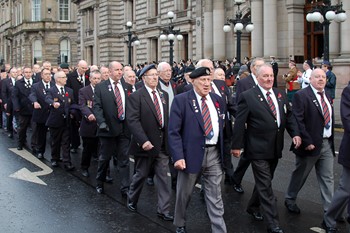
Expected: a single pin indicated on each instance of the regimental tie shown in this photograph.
(271, 104)
(118, 98)
(212, 88)
(208, 127)
(157, 106)
(325, 109)
(62, 91)
(47, 87)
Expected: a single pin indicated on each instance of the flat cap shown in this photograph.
(201, 71)
(189, 68)
(326, 63)
(147, 68)
(64, 66)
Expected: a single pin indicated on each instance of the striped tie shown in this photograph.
(271, 104)
(118, 98)
(208, 127)
(156, 104)
(325, 109)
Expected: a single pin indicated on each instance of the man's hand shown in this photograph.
(296, 141)
(310, 147)
(91, 117)
(147, 146)
(236, 152)
(37, 105)
(56, 105)
(180, 164)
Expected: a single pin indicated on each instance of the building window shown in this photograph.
(36, 8)
(64, 10)
(37, 50)
(65, 51)
(182, 5)
(153, 8)
(313, 37)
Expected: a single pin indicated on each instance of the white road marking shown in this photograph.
(317, 229)
(25, 174)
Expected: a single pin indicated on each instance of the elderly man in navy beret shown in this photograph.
(196, 146)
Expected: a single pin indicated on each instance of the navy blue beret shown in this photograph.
(201, 71)
(146, 68)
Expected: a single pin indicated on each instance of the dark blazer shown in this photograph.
(59, 117)
(344, 158)
(181, 88)
(331, 83)
(106, 109)
(255, 127)
(74, 83)
(86, 102)
(6, 93)
(243, 85)
(20, 98)
(38, 94)
(143, 122)
(186, 130)
(309, 116)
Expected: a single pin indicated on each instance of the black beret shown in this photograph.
(3, 70)
(189, 68)
(309, 63)
(201, 71)
(146, 68)
(64, 66)
(326, 63)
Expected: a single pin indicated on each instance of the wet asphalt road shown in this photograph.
(68, 202)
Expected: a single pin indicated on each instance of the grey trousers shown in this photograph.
(211, 179)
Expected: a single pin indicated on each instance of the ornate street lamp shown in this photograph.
(132, 40)
(170, 34)
(239, 23)
(324, 12)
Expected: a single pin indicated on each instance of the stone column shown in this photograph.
(190, 45)
(95, 54)
(295, 30)
(257, 34)
(270, 28)
(345, 32)
(208, 29)
(218, 33)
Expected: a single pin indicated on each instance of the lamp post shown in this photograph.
(324, 12)
(239, 23)
(131, 39)
(170, 34)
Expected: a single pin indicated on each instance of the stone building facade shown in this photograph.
(33, 31)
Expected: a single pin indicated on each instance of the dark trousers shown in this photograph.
(263, 196)
(39, 137)
(60, 139)
(9, 123)
(23, 123)
(241, 168)
(90, 145)
(74, 132)
(114, 146)
(228, 166)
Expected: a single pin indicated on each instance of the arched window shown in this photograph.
(65, 51)
(37, 50)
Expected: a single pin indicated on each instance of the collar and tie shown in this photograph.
(119, 101)
(47, 86)
(157, 106)
(62, 91)
(326, 115)
(208, 127)
(271, 104)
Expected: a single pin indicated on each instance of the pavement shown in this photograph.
(68, 202)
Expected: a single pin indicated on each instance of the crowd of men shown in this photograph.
(180, 119)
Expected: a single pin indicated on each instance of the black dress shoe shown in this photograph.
(99, 189)
(165, 217)
(293, 208)
(124, 193)
(109, 179)
(19, 148)
(40, 156)
(329, 229)
(54, 164)
(238, 188)
(10, 135)
(275, 230)
(150, 181)
(68, 167)
(131, 206)
(85, 173)
(256, 215)
(181, 230)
